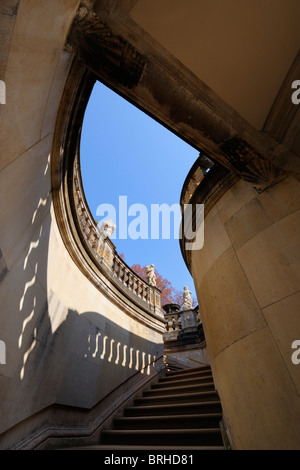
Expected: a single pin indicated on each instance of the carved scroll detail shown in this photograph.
(105, 52)
(250, 165)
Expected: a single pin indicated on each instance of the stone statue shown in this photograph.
(107, 228)
(151, 278)
(187, 299)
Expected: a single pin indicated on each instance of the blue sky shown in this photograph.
(124, 152)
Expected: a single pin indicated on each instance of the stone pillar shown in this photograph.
(188, 320)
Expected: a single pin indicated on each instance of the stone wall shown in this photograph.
(247, 278)
(66, 342)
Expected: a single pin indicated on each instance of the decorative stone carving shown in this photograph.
(187, 299)
(106, 253)
(104, 51)
(105, 248)
(107, 229)
(250, 165)
(150, 274)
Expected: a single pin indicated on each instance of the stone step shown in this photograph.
(174, 383)
(182, 410)
(175, 408)
(188, 371)
(177, 398)
(180, 389)
(171, 437)
(205, 420)
(182, 377)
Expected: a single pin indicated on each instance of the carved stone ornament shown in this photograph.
(250, 165)
(107, 228)
(104, 51)
(187, 299)
(151, 278)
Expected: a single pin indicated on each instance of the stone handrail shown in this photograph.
(105, 251)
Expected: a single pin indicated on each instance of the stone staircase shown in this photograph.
(181, 411)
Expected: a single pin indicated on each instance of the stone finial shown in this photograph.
(151, 278)
(187, 299)
(107, 228)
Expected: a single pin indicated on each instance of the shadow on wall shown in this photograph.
(78, 365)
(23, 288)
(53, 353)
(88, 356)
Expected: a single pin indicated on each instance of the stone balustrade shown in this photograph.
(173, 321)
(184, 339)
(105, 251)
(180, 322)
(176, 321)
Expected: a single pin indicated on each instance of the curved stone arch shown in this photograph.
(65, 163)
(129, 61)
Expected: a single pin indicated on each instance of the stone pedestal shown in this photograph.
(188, 320)
(106, 251)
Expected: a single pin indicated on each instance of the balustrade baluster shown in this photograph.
(130, 283)
(116, 266)
(139, 288)
(126, 276)
(170, 323)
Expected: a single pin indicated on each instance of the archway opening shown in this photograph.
(133, 170)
